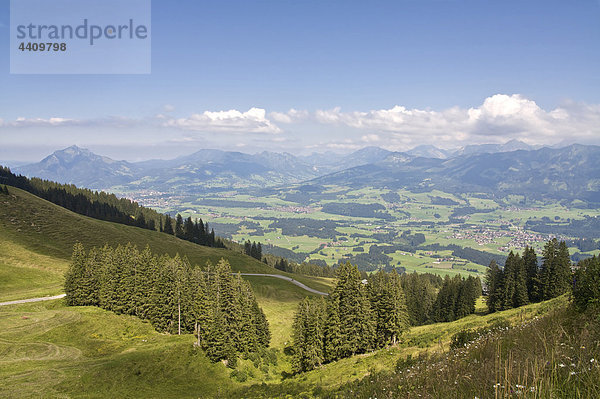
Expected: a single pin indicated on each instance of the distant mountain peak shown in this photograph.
(80, 166)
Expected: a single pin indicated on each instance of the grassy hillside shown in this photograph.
(554, 356)
(37, 237)
(428, 340)
(49, 350)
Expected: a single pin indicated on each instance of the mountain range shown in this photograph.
(571, 172)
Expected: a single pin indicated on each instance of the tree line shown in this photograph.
(308, 269)
(522, 281)
(195, 231)
(218, 307)
(254, 250)
(433, 299)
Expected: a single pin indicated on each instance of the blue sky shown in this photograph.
(226, 74)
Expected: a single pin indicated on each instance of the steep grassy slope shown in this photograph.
(37, 237)
(427, 340)
(553, 356)
(49, 350)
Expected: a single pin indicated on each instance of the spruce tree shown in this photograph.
(74, 276)
(547, 270)
(168, 228)
(179, 226)
(389, 306)
(308, 335)
(356, 320)
(531, 269)
(494, 281)
(188, 229)
(520, 296)
(509, 281)
(563, 273)
(332, 333)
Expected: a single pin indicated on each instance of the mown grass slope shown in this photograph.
(49, 350)
(37, 237)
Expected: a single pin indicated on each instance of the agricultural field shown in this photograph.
(329, 224)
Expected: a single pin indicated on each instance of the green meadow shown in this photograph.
(492, 230)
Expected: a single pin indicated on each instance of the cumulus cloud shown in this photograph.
(254, 120)
(293, 115)
(500, 118)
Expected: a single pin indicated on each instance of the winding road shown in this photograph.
(291, 280)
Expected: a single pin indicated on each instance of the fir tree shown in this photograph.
(509, 281)
(531, 269)
(188, 229)
(168, 229)
(494, 281)
(563, 273)
(520, 296)
(308, 334)
(389, 305)
(332, 333)
(179, 226)
(74, 295)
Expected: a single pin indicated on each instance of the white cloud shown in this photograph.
(500, 118)
(168, 108)
(26, 122)
(293, 115)
(254, 120)
(110, 121)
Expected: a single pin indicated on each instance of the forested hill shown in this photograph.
(104, 206)
(48, 229)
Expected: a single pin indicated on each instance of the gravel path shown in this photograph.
(291, 280)
(46, 298)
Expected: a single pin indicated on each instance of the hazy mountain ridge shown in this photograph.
(569, 172)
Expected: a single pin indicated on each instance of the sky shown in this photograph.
(313, 76)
